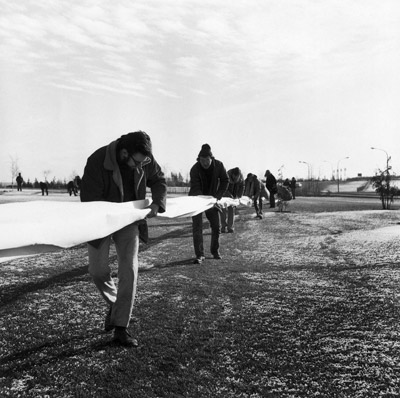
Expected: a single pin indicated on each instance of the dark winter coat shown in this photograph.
(102, 180)
(235, 189)
(252, 187)
(218, 183)
(270, 183)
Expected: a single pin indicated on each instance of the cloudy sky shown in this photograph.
(266, 83)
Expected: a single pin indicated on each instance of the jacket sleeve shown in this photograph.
(156, 182)
(196, 187)
(257, 188)
(92, 184)
(223, 182)
(240, 189)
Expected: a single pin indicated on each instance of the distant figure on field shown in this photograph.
(44, 188)
(270, 183)
(72, 189)
(293, 187)
(234, 191)
(286, 183)
(19, 180)
(207, 177)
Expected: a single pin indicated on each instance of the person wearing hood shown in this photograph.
(120, 172)
(207, 177)
(234, 191)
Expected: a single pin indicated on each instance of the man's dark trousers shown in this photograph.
(213, 217)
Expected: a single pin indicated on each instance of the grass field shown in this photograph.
(304, 304)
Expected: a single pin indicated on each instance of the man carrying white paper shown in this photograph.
(120, 172)
(207, 177)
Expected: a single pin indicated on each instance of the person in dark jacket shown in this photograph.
(120, 172)
(44, 188)
(270, 183)
(207, 177)
(293, 187)
(19, 180)
(255, 190)
(71, 188)
(234, 191)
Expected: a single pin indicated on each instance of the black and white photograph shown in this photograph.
(200, 199)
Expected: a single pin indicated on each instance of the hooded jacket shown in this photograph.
(252, 187)
(217, 184)
(235, 189)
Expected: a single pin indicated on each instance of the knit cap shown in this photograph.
(205, 151)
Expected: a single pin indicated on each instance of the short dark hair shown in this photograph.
(136, 142)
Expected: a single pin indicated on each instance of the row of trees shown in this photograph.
(174, 180)
(382, 182)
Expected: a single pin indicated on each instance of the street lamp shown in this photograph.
(387, 157)
(387, 177)
(337, 171)
(308, 168)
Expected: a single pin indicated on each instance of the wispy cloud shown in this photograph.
(220, 41)
(167, 93)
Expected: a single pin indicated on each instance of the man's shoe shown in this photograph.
(108, 326)
(122, 337)
(231, 230)
(217, 256)
(199, 260)
(223, 230)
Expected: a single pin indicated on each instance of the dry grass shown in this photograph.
(300, 306)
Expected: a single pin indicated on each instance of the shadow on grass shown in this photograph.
(178, 233)
(51, 352)
(12, 293)
(187, 261)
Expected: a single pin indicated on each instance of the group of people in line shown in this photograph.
(72, 186)
(120, 172)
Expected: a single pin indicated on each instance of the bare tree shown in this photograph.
(14, 168)
(46, 174)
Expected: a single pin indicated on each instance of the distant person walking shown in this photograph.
(120, 172)
(71, 188)
(207, 177)
(19, 180)
(293, 187)
(234, 191)
(270, 183)
(43, 187)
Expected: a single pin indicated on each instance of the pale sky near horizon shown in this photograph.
(265, 83)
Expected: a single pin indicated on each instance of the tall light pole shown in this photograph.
(308, 168)
(387, 157)
(337, 171)
(387, 177)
